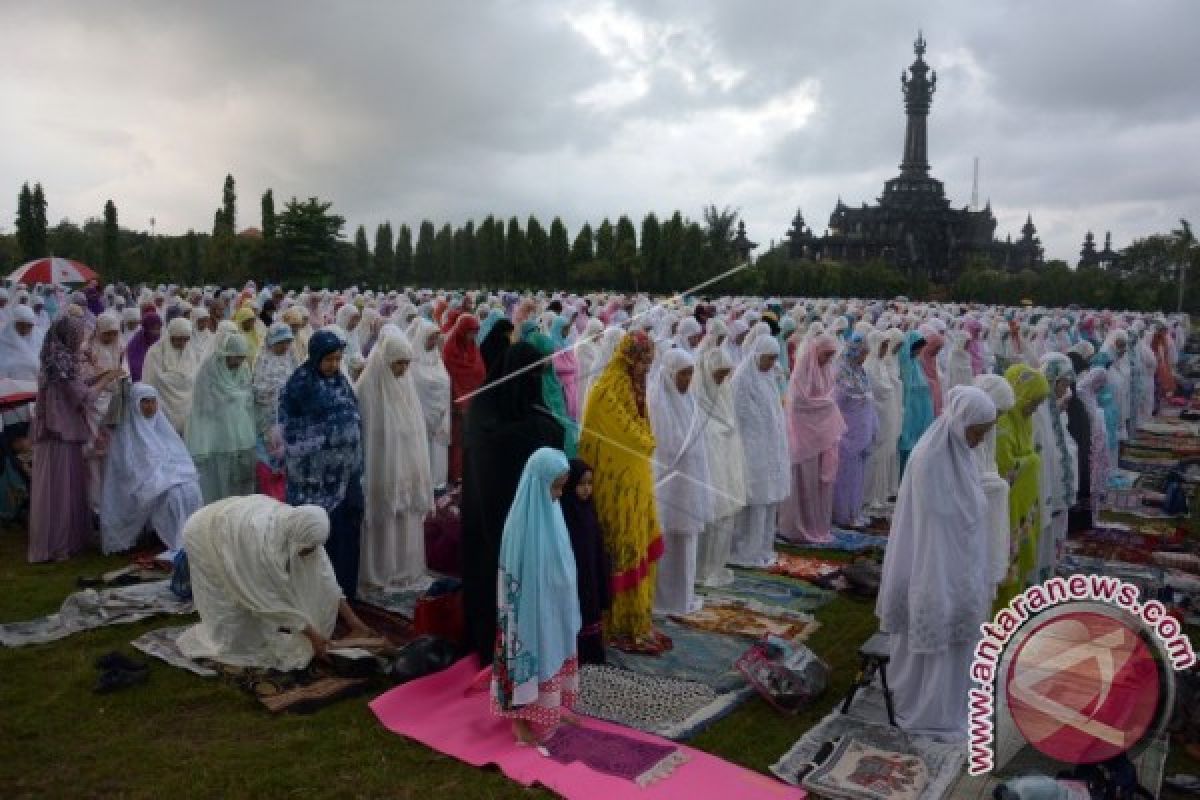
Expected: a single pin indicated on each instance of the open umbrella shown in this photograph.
(13, 392)
(52, 270)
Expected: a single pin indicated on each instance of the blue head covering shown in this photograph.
(1108, 403)
(279, 332)
(918, 403)
(538, 608)
(322, 429)
(558, 335)
(493, 317)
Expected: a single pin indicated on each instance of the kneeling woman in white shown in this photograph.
(149, 478)
(263, 586)
(937, 587)
(396, 477)
(682, 483)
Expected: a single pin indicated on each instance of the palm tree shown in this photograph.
(720, 227)
(1185, 243)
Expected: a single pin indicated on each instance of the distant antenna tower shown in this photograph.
(975, 187)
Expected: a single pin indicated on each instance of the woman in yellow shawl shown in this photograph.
(617, 441)
(1019, 461)
(248, 324)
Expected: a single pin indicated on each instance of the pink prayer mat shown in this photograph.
(437, 711)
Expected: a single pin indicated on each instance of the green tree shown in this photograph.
(443, 255)
(362, 254)
(692, 255)
(423, 255)
(404, 255)
(112, 251)
(538, 242)
(652, 255)
(516, 253)
(309, 235)
(385, 255)
(26, 237)
(720, 227)
(583, 249)
(268, 216)
(229, 205)
(606, 246)
(671, 249)
(466, 254)
(38, 209)
(560, 252)
(1185, 254)
(626, 262)
(192, 256)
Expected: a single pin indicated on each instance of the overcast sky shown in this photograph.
(1085, 113)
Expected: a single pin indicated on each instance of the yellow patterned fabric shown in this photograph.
(1015, 453)
(617, 442)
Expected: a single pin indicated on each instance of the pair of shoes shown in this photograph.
(116, 661)
(119, 672)
(115, 679)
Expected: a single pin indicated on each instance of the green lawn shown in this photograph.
(185, 736)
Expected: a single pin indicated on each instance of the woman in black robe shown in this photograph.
(591, 560)
(505, 424)
(1079, 426)
(495, 344)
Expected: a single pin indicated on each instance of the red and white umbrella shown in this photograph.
(52, 270)
(13, 392)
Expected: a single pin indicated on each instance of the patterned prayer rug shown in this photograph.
(696, 655)
(780, 591)
(613, 754)
(943, 762)
(668, 707)
(750, 619)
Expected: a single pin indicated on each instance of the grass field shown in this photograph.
(180, 735)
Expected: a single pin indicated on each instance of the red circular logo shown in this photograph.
(1083, 687)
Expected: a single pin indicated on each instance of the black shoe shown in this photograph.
(114, 661)
(116, 679)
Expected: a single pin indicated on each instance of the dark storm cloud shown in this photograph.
(1083, 113)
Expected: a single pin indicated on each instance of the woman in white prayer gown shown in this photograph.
(262, 584)
(1058, 481)
(18, 353)
(936, 587)
(587, 354)
(726, 465)
(220, 429)
(396, 481)
(149, 479)
(682, 482)
(958, 362)
(763, 428)
(995, 487)
(170, 367)
(433, 389)
(1116, 344)
(883, 464)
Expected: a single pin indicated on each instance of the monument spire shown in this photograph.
(918, 86)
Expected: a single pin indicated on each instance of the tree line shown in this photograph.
(305, 243)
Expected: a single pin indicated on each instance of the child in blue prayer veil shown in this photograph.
(535, 673)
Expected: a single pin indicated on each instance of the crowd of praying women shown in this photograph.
(613, 454)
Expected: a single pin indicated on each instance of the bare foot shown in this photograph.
(570, 718)
(523, 732)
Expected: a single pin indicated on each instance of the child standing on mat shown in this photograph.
(591, 561)
(535, 672)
